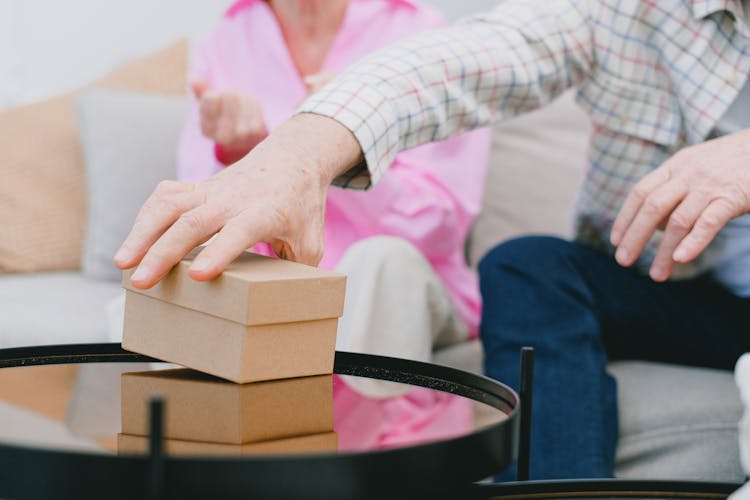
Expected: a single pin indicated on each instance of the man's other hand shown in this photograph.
(692, 196)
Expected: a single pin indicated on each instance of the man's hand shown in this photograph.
(276, 195)
(230, 119)
(693, 195)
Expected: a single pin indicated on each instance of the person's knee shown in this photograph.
(385, 251)
(528, 255)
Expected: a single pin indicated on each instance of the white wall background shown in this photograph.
(51, 46)
(455, 9)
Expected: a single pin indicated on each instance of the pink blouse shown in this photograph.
(432, 193)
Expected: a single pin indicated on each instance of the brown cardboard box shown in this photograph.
(226, 349)
(199, 407)
(314, 443)
(262, 319)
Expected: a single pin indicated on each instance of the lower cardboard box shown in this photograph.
(225, 348)
(128, 444)
(200, 407)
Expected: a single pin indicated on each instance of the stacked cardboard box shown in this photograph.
(267, 327)
(262, 319)
(205, 415)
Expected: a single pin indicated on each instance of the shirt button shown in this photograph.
(733, 79)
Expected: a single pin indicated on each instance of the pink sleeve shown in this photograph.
(430, 196)
(195, 155)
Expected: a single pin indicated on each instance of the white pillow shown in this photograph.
(129, 144)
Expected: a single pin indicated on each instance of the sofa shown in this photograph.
(78, 167)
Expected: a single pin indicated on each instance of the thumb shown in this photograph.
(199, 87)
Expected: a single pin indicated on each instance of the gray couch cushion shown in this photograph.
(677, 422)
(129, 142)
(54, 308)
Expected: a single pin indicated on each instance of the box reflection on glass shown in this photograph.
(315, 443)
(262, 319)
(208, 415)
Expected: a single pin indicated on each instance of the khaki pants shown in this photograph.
(395, 305)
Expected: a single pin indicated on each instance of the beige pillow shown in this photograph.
(42, 191)
(536, 165)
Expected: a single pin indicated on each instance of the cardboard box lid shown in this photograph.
(199, 407)
(254, 290)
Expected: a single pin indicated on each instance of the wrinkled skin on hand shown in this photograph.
(276, 194)
(692, 196)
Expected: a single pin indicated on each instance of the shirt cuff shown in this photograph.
(366, 112)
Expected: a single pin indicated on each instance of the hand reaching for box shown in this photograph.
(276, 194)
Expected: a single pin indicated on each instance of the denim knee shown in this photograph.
(545, 255)
(536, 289)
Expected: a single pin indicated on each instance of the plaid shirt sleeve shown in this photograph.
(443, 82)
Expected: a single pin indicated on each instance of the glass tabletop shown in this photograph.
(377, 427)
(205, 415)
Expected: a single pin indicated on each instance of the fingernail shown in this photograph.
(622, 256)
(199, 265)
(141, 274)
(614, 238)
(679, 255)
(121, 254)
(656, 273)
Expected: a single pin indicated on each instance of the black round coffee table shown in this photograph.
(436, 466)
(433, 466)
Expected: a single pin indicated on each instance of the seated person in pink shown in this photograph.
(416, 291)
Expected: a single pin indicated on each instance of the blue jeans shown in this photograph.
(579, 309)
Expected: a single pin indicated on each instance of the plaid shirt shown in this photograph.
(654, 76)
